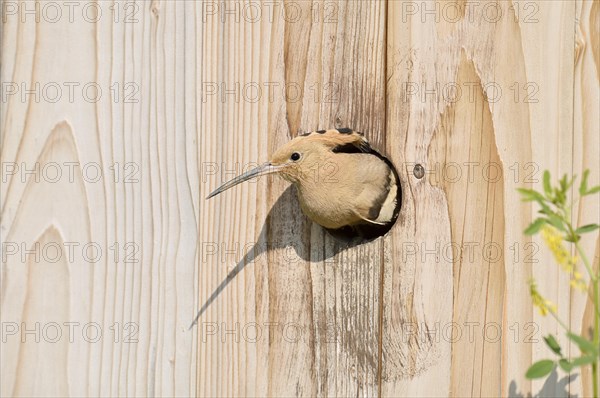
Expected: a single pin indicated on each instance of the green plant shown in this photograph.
(554, 224)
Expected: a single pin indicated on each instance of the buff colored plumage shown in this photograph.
(343, 184)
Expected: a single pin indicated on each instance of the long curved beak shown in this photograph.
(264, 169)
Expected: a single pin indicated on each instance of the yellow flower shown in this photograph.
(543, 305)
(554, 241)
(578, 282)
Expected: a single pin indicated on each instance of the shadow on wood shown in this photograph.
(288, 198)
(552, 387)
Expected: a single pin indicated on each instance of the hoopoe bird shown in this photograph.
(343, 184)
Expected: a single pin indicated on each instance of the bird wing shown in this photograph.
(377, 189)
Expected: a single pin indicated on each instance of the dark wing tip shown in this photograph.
(350, 148)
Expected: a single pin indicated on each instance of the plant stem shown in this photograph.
(595, 282)
(586, 262)
(561, 323)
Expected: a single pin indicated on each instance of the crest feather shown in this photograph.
(339, 140)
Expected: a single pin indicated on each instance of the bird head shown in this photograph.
(297, 160)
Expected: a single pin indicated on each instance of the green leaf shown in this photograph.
(547, 186)
(593, 190)
(552, 344)
(583, 185)
(559, 198)
(540, 369)
(572, 239)
(587, 228)
(563, 183)
(530, 194)
(585, 346)
(535, 226)
(584, 360)
(526, 191)
(545, 208)
(565, 365)
(556, 222)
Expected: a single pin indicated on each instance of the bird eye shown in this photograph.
(295, 156)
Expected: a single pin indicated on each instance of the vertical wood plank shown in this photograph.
(123, 142)
(475, 200)
(549, 69)
(426, 51)
(418, 286)
(586, 152)
(316, 304)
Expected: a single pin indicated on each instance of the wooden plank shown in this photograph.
(140, 213)
(232, 356)
(418, 286)
(549, 70)
(315, 304)
(468, 169)
(497, 50)
(586, 152)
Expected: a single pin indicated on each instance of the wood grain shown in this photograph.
(194, 93)
(586, 151)
(145, 212)
(473, 182)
